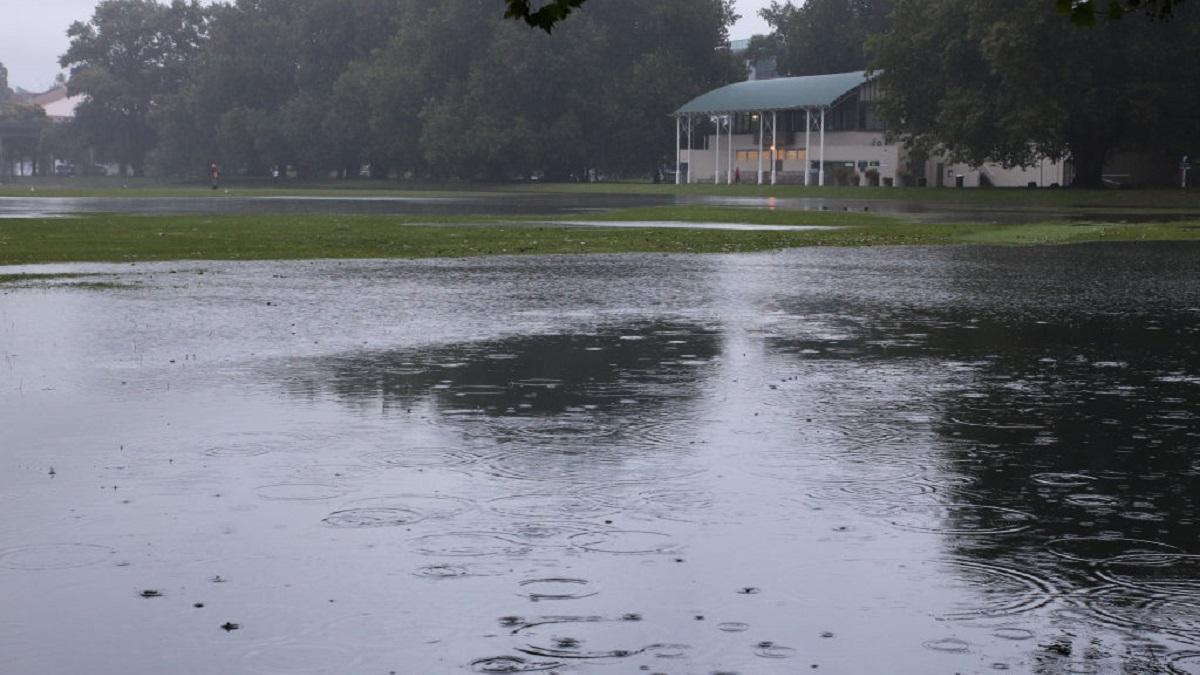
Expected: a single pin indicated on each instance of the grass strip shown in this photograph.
(128, 238)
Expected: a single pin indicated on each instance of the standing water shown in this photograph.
(880, 460)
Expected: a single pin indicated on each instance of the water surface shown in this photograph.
(911, 460)
(512, 204)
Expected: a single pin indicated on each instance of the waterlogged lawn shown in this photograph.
(101, 238)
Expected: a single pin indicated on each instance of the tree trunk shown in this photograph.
(1088, 159)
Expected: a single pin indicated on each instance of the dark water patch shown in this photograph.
(1118, 606)
(1184, 663)
(627, 542)
(54, 556)
(1060, 479)
(298, 492)
(991, 590)
(479, 389)
(1099, 549)
(1092, 501)
(1175, 573)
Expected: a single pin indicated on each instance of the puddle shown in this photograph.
(672, 224)
(962, 458)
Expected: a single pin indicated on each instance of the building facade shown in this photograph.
(817, 130)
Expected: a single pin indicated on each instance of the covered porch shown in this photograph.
(761, 131)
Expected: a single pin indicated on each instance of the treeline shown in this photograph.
(404, 87)
(1011, 81)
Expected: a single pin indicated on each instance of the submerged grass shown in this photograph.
(113, 238)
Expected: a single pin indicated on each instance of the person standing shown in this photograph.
(214, 172)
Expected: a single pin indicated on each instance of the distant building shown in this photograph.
(817, 130)
(57, 103)
(760, 68)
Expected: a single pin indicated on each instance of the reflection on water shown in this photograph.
(507, 204)
(919, 460)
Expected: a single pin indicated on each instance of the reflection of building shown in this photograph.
(815, 130)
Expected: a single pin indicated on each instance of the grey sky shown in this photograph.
(33, 35)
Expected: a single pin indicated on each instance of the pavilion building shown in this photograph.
(816, 130)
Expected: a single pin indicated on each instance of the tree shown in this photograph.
(326, 86)
(1008, 81)
(545, 17)
(5, 92)
(823, 36)
(130, 54)
(1085, 12)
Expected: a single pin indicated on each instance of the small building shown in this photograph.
(816, 130)
(57, 103)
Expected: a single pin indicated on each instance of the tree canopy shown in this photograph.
(823, 36)
(453, 91)
(126, 56)
(1009, 81)
(1085, 12)
(5, 92)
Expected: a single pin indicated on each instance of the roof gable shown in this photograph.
(783, 93)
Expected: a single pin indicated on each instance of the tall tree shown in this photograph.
(5, 92)
(824, 36)
(451, 90)
(1009, 81)
(131, 53)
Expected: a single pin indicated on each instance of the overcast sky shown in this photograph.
(33, 35)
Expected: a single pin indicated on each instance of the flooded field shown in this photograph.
(918, 460)
(566, 204)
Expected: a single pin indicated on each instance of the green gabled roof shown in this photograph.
(783, 93)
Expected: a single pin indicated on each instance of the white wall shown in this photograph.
(1042, 174)
(855, 147)
(840, 147)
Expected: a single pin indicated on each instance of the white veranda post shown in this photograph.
(821, 174)
(729, 153)
(689, 136)
(807, 145)
(774, 137)
(761, 120)
(677, 150)
(717, 155)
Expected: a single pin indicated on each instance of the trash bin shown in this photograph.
(958, 180)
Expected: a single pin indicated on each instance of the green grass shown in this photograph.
(125, 238)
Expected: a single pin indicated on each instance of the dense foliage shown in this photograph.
(5, 91)
(404, 87)
(823, 36)
(1010, 81)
